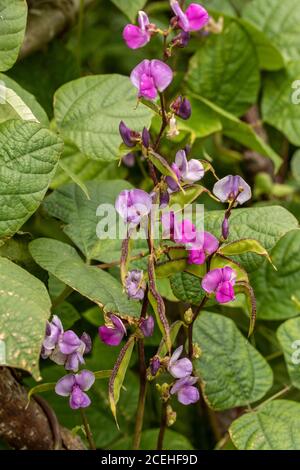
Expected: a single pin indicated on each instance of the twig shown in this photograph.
(163, 426)
(87, 429)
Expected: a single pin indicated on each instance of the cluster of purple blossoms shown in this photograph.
(113, 333)
(182, 369)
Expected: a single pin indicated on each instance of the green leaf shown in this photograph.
(174, 330)
(67, 313)
(245, 245)
(279, 21)
(76, 179)
(130, 8)
(13, 15)
(288, 335)
(69, 204)
(40, 389)
(88, 112)
(275, 290)
(190, 194)
(295, 165)
(203, 121)
(222, 57)
(241, 132)
(168, 268)
(118, 375)
(269, 56)
(162, 165)
(24, 309)
(187, 288)
(275, 426)
(172, 441)
(28, 158)
(265, 224)
(232, 372)
(280, 104)
(100, 287)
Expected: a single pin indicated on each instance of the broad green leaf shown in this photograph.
(130, 8)
(280, 104)
(241, 132)
(174, 330)
(245, 245)
(295, 165)
(168, 268)
(13, 15)
(69, 204)
(172, 441)
(275, 290)
(187, 288)
(67, 313)
(203, 121)
(190, 194)
(14, 107)
(279, 21)
(288, 335)
(269, 56)
(220, 6)
(84, 168)
(76, 179)
(28, 159)
(118, 375)
(24, 309)
(100, 287)
(225, 70)
(88, 112)
(275, 426)
(265, 224)
(231, 371)
(7, 112)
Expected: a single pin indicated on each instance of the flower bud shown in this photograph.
(154, 365)
(197, 352)
(182, 107)
(129, 136)
(181, 40)
(129, 160)
(171, 416)
(164, 199)
(188, 316)
(225, 228)
(147, 326)
(146, 138)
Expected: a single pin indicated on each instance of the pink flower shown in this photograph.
(112, 335)
(188, 171)
(220, 281)
(151, 77)
(193, 19)
(205, 245)
(137, 36)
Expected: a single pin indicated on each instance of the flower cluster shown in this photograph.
(182, 369)
(114, 331)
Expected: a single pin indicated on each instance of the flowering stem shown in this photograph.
(143, 382)
(87, 429)
(164, 121)
(163, 425)
(190, 329)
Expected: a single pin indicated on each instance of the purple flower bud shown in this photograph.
(154, 365)
(232, 188)
(164, 199)
(133, 205)
(146, 138)
(179, 368)
(147, 326)
(182, 107)
(129, 136)
(183, 232)
(186, 392)
(220, 281)
(205, 244)
(182, 39)
(225, 228)
(137, 36)
(135, 285)
(151, 77)
(194, 18)
(129, 159)
(74, 386)
(112, 335)
(86, 339)
(54, 331)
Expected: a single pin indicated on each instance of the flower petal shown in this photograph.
(197, 16)
(79, 399)
(188, 395)
(211, 280)
(64, 385)
(225, 292)
(161, 73)
(85, 379)
(69, 342)
(181, 368)
(135, 37)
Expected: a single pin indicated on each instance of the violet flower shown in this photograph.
(137, 36)
(220, 281)
(147, 326)
(133, 205)
(185, 390)
(151, 77)
(129, 159)
(206, 244)
(182, 107)
(232, 188)
(135, 285)
(74, 386)
(129, 137)
(54, 331)
(179, 368)
(193, 19)
(188, 171)
(113, 334)
(154, 365)
(73, 348)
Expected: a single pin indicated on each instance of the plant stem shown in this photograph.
(61, 297)
(143, 382)
(190, 329)
(163, 425)
(164, 121)
(87, 429)
(79, 32)
(286, 389)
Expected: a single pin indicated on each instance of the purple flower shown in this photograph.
(73, 349)
(194, 18)
(134, 285)
(129, 136)
(129, 159)
(54, 331)
(147, 326)
(146, 137)
(151, 77)
(74, 386)
(137, 36)
(232, 188)
(182, 39)
(221, 282)
(133, 205)
(182, 107)
(186, 171)
(112, 335)
(154, 365)
(183, 232)
(205, 245)
(186, 392)
(179, 367)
